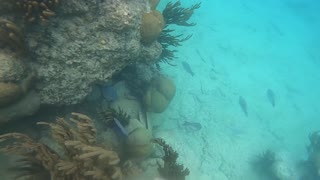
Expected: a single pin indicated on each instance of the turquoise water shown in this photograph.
(246, 100)
(243, 48)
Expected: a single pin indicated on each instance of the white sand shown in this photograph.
(246, 47)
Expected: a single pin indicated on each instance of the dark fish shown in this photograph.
(187, 67)
(271, 98)
(192, 126)
(243, 105)
(198, 52)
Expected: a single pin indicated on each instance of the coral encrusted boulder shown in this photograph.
(83, 43)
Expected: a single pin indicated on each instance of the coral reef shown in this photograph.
(34, 10)
(152, 24)
(12, 67)
(174, 14)
(271, 166)
(26, 106)
(139, 143)
(11, 35)
(171, 170)
(15, 78)
(87, 42)
(263, 163)
(16, 81)
(167, 40)
(311, 166)
(10, 92)
(159, 94)
(82, 157)
(110, 114)
(153, 4)
(69, 57)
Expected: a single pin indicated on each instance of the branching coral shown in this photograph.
(11, 35)
(82, 157)
(171, 170)
(167, 39)
(110, 114)
(174, 14)
(34, 10)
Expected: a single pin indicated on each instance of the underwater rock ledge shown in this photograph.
(84, 43)
(81, 50)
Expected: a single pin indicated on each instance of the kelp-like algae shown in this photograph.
(171, 170)
(174, 14)
(82, 157)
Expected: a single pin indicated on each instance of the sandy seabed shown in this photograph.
(243, 48)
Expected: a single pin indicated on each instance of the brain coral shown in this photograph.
(151, 26)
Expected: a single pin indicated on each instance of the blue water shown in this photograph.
(243, 48)
(247, 81)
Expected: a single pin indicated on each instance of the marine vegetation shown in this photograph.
(80, 157)
(11, 35)
(262, 164)
(171, 170)
(115, 119)
(311, 166)
(174, 14)
(139, 143)
(35, 10)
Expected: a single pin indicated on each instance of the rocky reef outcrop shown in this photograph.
(84, 43)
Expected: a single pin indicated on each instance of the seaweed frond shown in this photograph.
(171, 170)
(175, 14)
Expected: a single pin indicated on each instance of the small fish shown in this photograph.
(271, 98)
(243, 105)
(198, 52)
(192, 126)
(187, 67)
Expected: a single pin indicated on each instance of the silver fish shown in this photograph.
(187, 67)
(271, 97)
(243, 105)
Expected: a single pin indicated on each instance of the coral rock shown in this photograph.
(159, 94)
(9, 93)
(26, 106)
(68, 55)
(12, 68)
(151, 26)
(140, 143)
(153, 4)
